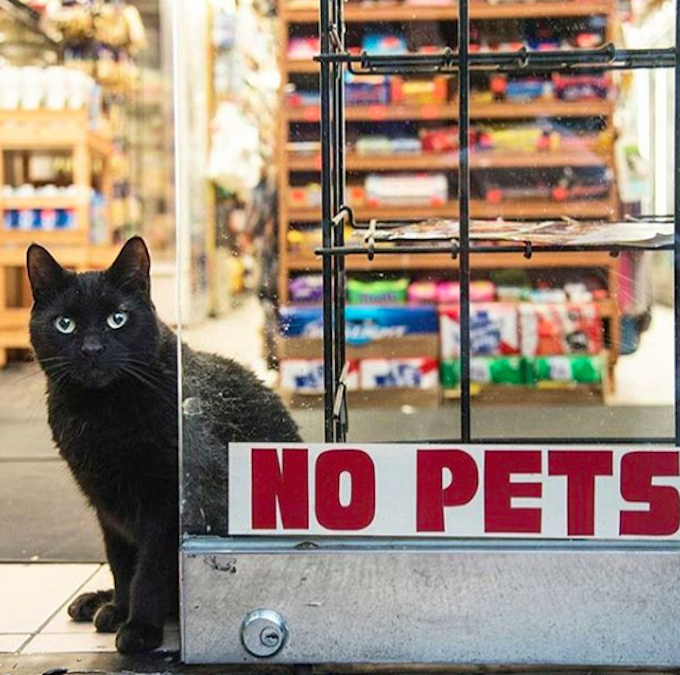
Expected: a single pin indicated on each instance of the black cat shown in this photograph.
(112, 391)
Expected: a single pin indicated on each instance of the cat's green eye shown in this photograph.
(65, 325)
(117, 319)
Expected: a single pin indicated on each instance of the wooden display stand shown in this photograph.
(61, 131)
(299, 17)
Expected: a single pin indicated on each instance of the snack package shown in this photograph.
(448, 292)
(422, 292)
(305, 376)
(306, 288)
(363, 324)
(417, 373)
(509, 370)
(556, 329)
(566, 369)
(493, 330)
(377, 292)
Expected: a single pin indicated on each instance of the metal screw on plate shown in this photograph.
(264, 632)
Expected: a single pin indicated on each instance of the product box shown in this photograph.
(564, 328)
(486, 370)
(377, 292)
(306, 288)
(305, 376)
(566, 369)
(493, 330)
(363, 324)
(426, 189)
(417, 373)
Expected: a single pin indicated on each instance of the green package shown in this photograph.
(485, 370)
(578, 369)
(377, 292)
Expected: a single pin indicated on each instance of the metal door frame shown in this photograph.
(465, 603)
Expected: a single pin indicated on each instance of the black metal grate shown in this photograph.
(334, 59)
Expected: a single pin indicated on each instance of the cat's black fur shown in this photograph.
(112, 401)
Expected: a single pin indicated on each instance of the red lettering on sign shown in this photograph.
(360, 511)
(637, 471)
(285, 485)
(581, 469)
(499, 515)
(432, 496)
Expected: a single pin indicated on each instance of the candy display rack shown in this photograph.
(298, 18)
(338, 256)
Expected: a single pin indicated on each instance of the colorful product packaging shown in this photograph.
(363, 324)
(557, 329)
(448, 292)
(566, 369)
(417, 373)
(423, 189)
(305, 376)
(377, 292)
(493, 330)
(509, 370)
(422, 292)
(306, 288)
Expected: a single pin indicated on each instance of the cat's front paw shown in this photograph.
(85, 606)
(134, 637)
(109, 618)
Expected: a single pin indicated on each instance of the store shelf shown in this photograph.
(302, 67)
(596, 152)
(19, 203)
(435, 261)
(447, 210)
(530, 210)
(525, 395)
(485, 159)
(449, 111)
(50, 129)
(375, 398)
(356, 12)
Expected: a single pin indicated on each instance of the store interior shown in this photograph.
(98, 99)
(196, 124)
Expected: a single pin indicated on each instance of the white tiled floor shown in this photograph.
(33, 612)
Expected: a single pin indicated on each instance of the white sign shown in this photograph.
(454, 491)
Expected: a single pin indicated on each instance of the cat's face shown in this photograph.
(96, 328)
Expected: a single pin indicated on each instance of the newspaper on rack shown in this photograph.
(649, 234)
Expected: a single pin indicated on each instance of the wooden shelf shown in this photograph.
(374, 398)
(526, 395)
(57, 202)
(530, 210)
(485, 159)
(302, 66)
(482, 11)
(50, 129)
(448, 210)
(440, 261)
(449, 111)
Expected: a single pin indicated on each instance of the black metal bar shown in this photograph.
(464, 217)
(520, 61)
(676, 208)
(339, 230)
(326, 225)
(446, 249)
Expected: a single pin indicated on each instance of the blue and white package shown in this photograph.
(305, 376)
(420, 373)
(363, 324)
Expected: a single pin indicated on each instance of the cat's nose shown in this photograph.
(91, 346)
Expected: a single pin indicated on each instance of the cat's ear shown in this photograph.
(130, 271)
(44, 272)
